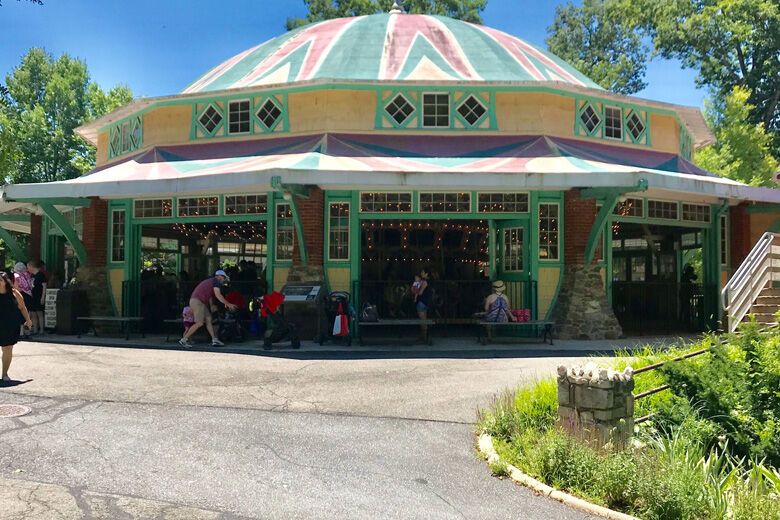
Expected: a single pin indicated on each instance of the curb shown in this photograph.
(485, 446)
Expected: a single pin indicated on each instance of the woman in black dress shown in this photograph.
(12, 309)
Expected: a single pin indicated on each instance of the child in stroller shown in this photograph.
(336, 304)
(233, 324)
(281, 330)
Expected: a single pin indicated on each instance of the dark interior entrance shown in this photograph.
(657, 278)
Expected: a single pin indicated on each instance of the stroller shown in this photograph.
(233, 324)
(336, 304)
(281, 330)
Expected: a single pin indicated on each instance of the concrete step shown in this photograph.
(770, 291)
(765, 317)
(768, 300)
(758, 308)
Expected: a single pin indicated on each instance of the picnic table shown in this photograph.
(123, 321)
(398, 323)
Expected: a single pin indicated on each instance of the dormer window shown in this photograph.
(613, 123)
(238, 117)
(590, 119)
(472, 110)
(635, 126)
(269, 114)
(210, 119)
(436, 110)
(399, 109)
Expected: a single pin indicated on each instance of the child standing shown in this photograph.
(37, 305)
(188, 318)
(416, 285)
(23, 284)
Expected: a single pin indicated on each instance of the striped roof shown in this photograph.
(390, 47)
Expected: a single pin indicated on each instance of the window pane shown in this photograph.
(118, 236)
(198, 206)
(152, 208)
(338, 225)
(284, 232)
(548, 231)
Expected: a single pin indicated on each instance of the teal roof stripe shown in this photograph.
(340, 61)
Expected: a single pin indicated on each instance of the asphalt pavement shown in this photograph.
(132, 433)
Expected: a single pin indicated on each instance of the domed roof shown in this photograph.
(390, 47)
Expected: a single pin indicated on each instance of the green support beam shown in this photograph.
(14, 218)
(610, 197)
(10, 242)
(79, 202)
(763, 208)
(290, 193)
(66, 229)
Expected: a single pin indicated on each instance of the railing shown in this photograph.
(662, 387)
(452, 301)
(761, 267)
(659, 306)
(162, 299)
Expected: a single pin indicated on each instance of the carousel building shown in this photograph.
(358, 150)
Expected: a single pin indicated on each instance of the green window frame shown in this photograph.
(503, 202)
(204, 206)
(284, 239)
(436, 111)
(152, 208)
(549, 231)
(724, 240)
(444, 202)
(663, 209)
(514, 247)
(630, 208)
(338, 231)
(118, 235)
(125, 136)
(695, 212)
(386, 202)
(251, 204)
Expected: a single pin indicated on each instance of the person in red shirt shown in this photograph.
(202, 305)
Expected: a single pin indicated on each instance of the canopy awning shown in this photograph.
(345, 161)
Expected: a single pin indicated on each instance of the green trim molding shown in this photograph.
(290, 194)
(753, 208)
(13, 245)
(14, 218)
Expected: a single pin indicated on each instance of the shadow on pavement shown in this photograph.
(12, 382)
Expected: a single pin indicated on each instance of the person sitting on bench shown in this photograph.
(497, 305)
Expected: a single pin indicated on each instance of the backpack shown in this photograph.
(369, 313)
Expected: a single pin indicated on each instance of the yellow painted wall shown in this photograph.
(102, 149)
(116, 277)
(759, 224)
(332, 110)
(535, 113)
(280, 277)
(549, 279)
(339, 278)
(665, 133)
(166, 125)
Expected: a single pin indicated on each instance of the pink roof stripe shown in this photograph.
(547, 61)
(507, 43)
(319, 35)
(401, 38)
(319, 50)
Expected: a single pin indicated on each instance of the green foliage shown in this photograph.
(467, 10)
(46, 100)
(730, 42)
(742, 151)
(596, 41)
(499, 468)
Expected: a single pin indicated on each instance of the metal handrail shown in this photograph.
(742, 290)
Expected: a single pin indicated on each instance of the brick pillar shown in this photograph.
(740, 234)
(312, 216)
(95, 236)
(578, 217)
(36, 228)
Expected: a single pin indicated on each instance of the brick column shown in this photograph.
(313, 216)
(95, 235)
(739, 224)
(36, 228)
(578, 217)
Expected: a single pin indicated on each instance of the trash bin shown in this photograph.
(71, 304)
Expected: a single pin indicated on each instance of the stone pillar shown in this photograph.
(36, 229)
(596, 404)
(739, 235)
(312, 216)
(582, 310)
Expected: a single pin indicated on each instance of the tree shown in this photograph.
(596, 41)
(467, 10)
(742, 152)
(39, 2)
(731, 43)
(46, 101)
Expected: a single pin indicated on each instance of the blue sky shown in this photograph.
(158, 47)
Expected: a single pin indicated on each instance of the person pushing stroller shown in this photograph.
(202, 305)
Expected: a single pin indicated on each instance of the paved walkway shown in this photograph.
(160, 433)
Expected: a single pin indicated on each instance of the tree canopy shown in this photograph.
(45, 100)
(742, 150)
(596, 40)
(732, 43)
(467, 10)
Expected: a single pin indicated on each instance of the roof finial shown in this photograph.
(397, 8)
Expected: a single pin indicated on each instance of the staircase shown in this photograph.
(752, 289)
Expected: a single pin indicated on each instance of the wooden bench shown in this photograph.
(398, 323)
(124, 323)
(488, 325)
(174, 321)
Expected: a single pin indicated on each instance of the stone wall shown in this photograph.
(582, 310)
(596, 404)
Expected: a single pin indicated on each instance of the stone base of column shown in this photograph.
(306, 273)
(94, 281)
(582, 310)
